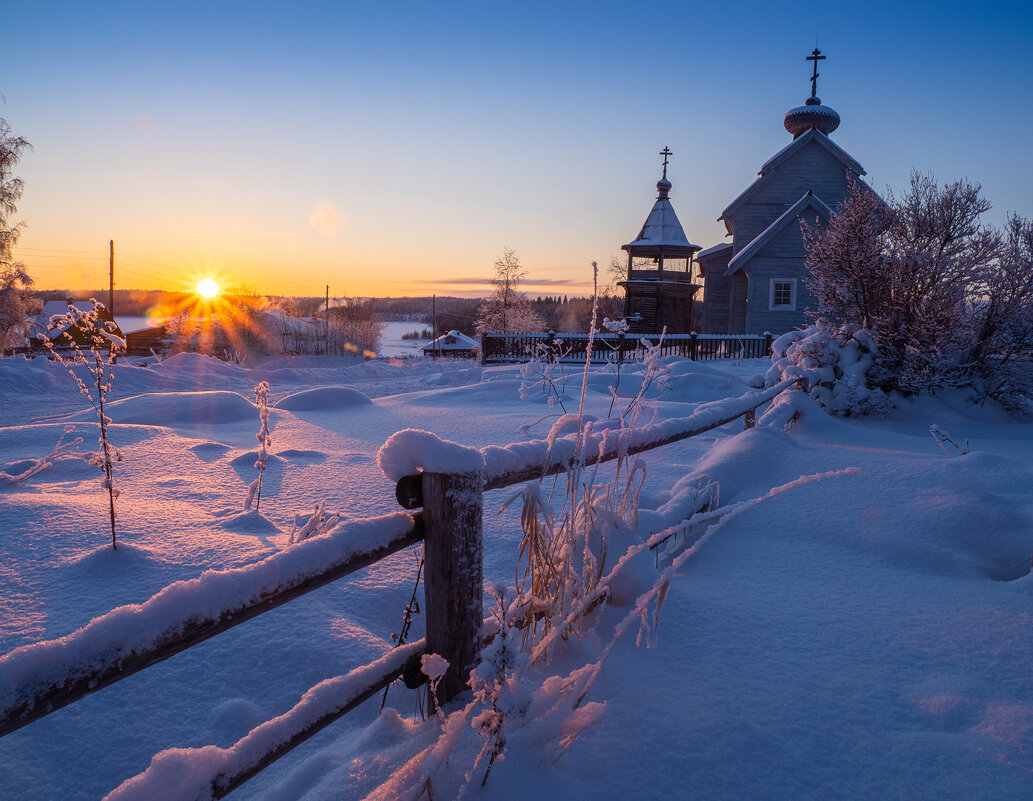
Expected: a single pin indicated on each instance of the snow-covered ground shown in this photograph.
(865, 636)
(392, 344)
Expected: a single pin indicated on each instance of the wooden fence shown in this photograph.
(38, 679)
(501, 348)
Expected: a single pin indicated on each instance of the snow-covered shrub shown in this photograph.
(835, 364)
(948, 299)
(72, 332)
(544, 375)
(61, 450)
(319, 523)
(943, 439)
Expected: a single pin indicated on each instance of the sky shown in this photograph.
(397, 149)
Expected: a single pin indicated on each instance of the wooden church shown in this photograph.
(753, 284)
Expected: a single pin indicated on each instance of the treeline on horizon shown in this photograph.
(560, 312)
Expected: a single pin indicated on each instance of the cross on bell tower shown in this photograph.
(665, 153)
(815, 56)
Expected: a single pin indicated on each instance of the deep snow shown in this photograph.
(861, 637)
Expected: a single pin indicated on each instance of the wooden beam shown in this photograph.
(453, 574)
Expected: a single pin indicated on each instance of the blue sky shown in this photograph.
(396, 149)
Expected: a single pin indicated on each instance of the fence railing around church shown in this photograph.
(501, 348)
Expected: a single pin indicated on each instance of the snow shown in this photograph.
(412, 451)
(323, 399)
(862, 632)
(216, 594)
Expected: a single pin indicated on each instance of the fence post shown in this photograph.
(453, 573)
(693, 337)
(767, 343)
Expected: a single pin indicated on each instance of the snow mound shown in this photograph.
(178, 408)
(195, 364)
(209, 451)
(105, 558)
(248, 459)
(250, 523)
(323, 399)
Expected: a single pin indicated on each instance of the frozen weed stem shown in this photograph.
(73, 331)
(254, 490)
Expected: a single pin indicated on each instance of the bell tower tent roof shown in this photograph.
(662, 233)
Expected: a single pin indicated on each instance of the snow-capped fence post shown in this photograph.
(453, 513)
(693, 337)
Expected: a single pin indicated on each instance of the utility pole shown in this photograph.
(434, 316)
(326, 314)
(111, 278)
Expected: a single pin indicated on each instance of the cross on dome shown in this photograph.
(815, 56)
(665, 153)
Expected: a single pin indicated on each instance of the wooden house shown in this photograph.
(63, 336)
(755, 283)
(453, 345)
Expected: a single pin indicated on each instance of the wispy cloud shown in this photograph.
(481, 281)
(326, 219)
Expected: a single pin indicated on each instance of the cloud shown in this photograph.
(482, 281)
(326, 219)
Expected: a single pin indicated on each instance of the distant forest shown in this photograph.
(560, 312)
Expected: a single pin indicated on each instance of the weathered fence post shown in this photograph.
(767, 343)
(693, 337)
(453, 573)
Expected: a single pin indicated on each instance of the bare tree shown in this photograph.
(15, 283)
(508, 310)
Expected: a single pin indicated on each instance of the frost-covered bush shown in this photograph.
(836, 364)
(948, 299)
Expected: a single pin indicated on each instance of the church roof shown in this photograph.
(662, 231)
(809, 200)
(784, 155)
(812, 135)
(704, 255)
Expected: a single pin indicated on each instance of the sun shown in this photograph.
(207, 288)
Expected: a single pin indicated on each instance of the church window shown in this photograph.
(782, 296)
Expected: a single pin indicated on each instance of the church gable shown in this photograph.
(807, 165)
(783, 237)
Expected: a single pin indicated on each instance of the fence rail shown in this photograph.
(497, 348)
(41, 678)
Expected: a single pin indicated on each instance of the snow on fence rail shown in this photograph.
(497, 348)
(191, 773)
(40, 678)
(527, 461)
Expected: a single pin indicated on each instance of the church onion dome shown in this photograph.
(813, 114)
